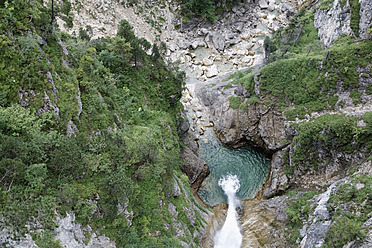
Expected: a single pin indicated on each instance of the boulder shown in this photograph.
(278, 180)
(241, 91)
(238, 27)
(207, 62)
(257, 125)
(263, 4)
(271, 6)
(211, 71)
(183, 43)
(198, 71)
(218, 41)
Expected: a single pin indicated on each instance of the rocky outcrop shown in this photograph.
(278, 181)
(6, 239)
(332, 22)
(261, 222)
(255, 124)
(195, 168)
(365, 20)
(73, 235)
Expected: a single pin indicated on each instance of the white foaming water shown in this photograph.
(229, 236)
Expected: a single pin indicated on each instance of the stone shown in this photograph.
(198, 71)
(211, 71)
(218, 41)
(238, 27)
(330, 25)
(246, 59)
(198, 114)
(71, 234)
(182, 43)
(241, 52)
(207, 62)
(183, 128)
(263, 4)
(271, 6)
(175, 191)
(172, 47)
(241, 91)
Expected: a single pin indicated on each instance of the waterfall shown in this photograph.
(229, 235)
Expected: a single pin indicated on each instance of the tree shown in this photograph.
(52, 18)
(122, 48)
(125, 31)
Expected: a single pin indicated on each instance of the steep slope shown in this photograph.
(89, 149)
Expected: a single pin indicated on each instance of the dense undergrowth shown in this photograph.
(117, 100)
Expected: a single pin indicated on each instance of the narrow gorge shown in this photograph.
(186, 123)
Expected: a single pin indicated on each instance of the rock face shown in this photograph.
(335, 21)
(332, 22)
(365, 20)
(72, 235)
(257, 125)
(195, 168)
(277, 179)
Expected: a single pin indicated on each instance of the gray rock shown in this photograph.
(332, 22)
(183, 128)
(316, 234)
(175, 191)
(263, 4)
(48, 106)
(258, 125)
(271, 6)
(25, 97)
(241, 91)
(172, 210)
(211, 71)
(183, 43)
(365, 20)
(238, 27)
(71, 128)
(218, 41)
(195, 168)
(6, 240)
(71, 234)
(278, 181)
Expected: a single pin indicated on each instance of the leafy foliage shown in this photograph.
(124, 150)
(330, 132)
(206, 9)
(351, 209)
(297, 211)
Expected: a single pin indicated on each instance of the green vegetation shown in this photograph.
(309, 75)
(331, 132)
(355, 16)
(124, 149)
(298, 211)
(205, 9)
(235, 102)
(351, 208)
(298, 37)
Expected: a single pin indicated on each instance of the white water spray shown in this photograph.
(229, 236)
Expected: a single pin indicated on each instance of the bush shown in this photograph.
(235, 102)
(343, 231)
